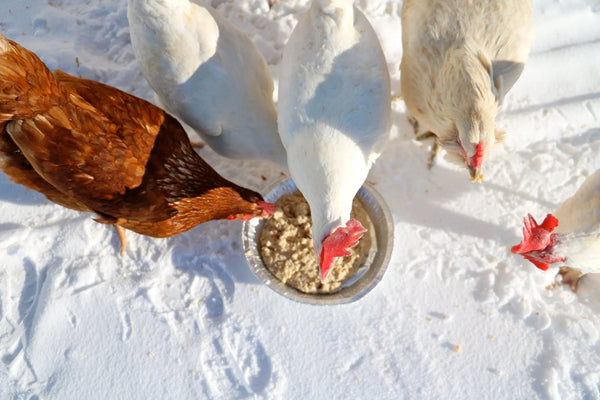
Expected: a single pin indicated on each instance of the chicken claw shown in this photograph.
(435, 148)
(570, 277)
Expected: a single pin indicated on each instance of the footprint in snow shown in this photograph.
(222, 288)
(30, 291)
(213, 277)
(11, 237)
(190, 297)
(236, 366)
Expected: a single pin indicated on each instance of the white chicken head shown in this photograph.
(470, 104)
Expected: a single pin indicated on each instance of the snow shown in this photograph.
(456, 315)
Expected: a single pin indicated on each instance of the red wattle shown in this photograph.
(539, 264)
(268, 208)
(477, 159)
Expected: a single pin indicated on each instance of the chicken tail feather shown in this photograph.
(27, 86)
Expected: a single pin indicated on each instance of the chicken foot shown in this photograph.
(570, 277)
(424, 136)
(122, 237)
(435, 148)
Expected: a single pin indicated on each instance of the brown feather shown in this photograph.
(91, 147)
(23, 92)
(14, 164)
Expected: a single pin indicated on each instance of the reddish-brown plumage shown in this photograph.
(91, 147)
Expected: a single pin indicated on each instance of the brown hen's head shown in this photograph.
(249, 205)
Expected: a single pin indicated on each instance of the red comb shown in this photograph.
(338, 243)
(477, 159)
(536, 237)
(550, 223)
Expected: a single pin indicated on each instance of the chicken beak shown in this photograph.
(476, 175)
(267, 208)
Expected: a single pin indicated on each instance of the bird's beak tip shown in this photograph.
(476, 175)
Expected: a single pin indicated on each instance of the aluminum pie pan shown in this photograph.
(370, 273)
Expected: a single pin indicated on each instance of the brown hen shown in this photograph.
(91, 147)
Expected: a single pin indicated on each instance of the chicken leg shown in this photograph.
(570, 277)
(435, 147)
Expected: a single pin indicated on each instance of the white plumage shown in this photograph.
(575, 243)
(578, 231)
(209, 74)
(334, 110)
(460, 58)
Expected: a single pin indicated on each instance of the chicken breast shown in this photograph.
(460, 58)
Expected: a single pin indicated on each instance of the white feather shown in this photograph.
(459, 59)
(579, 227)
(209, 74)
(334, 108)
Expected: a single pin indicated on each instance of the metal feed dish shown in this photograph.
(369, 274)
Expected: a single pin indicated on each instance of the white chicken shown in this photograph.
(575, 242)
(334, 117)
(460, 58)
(209, 74)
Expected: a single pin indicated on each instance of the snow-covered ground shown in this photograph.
(456, 316)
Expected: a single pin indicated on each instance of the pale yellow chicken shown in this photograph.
(460, 58)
